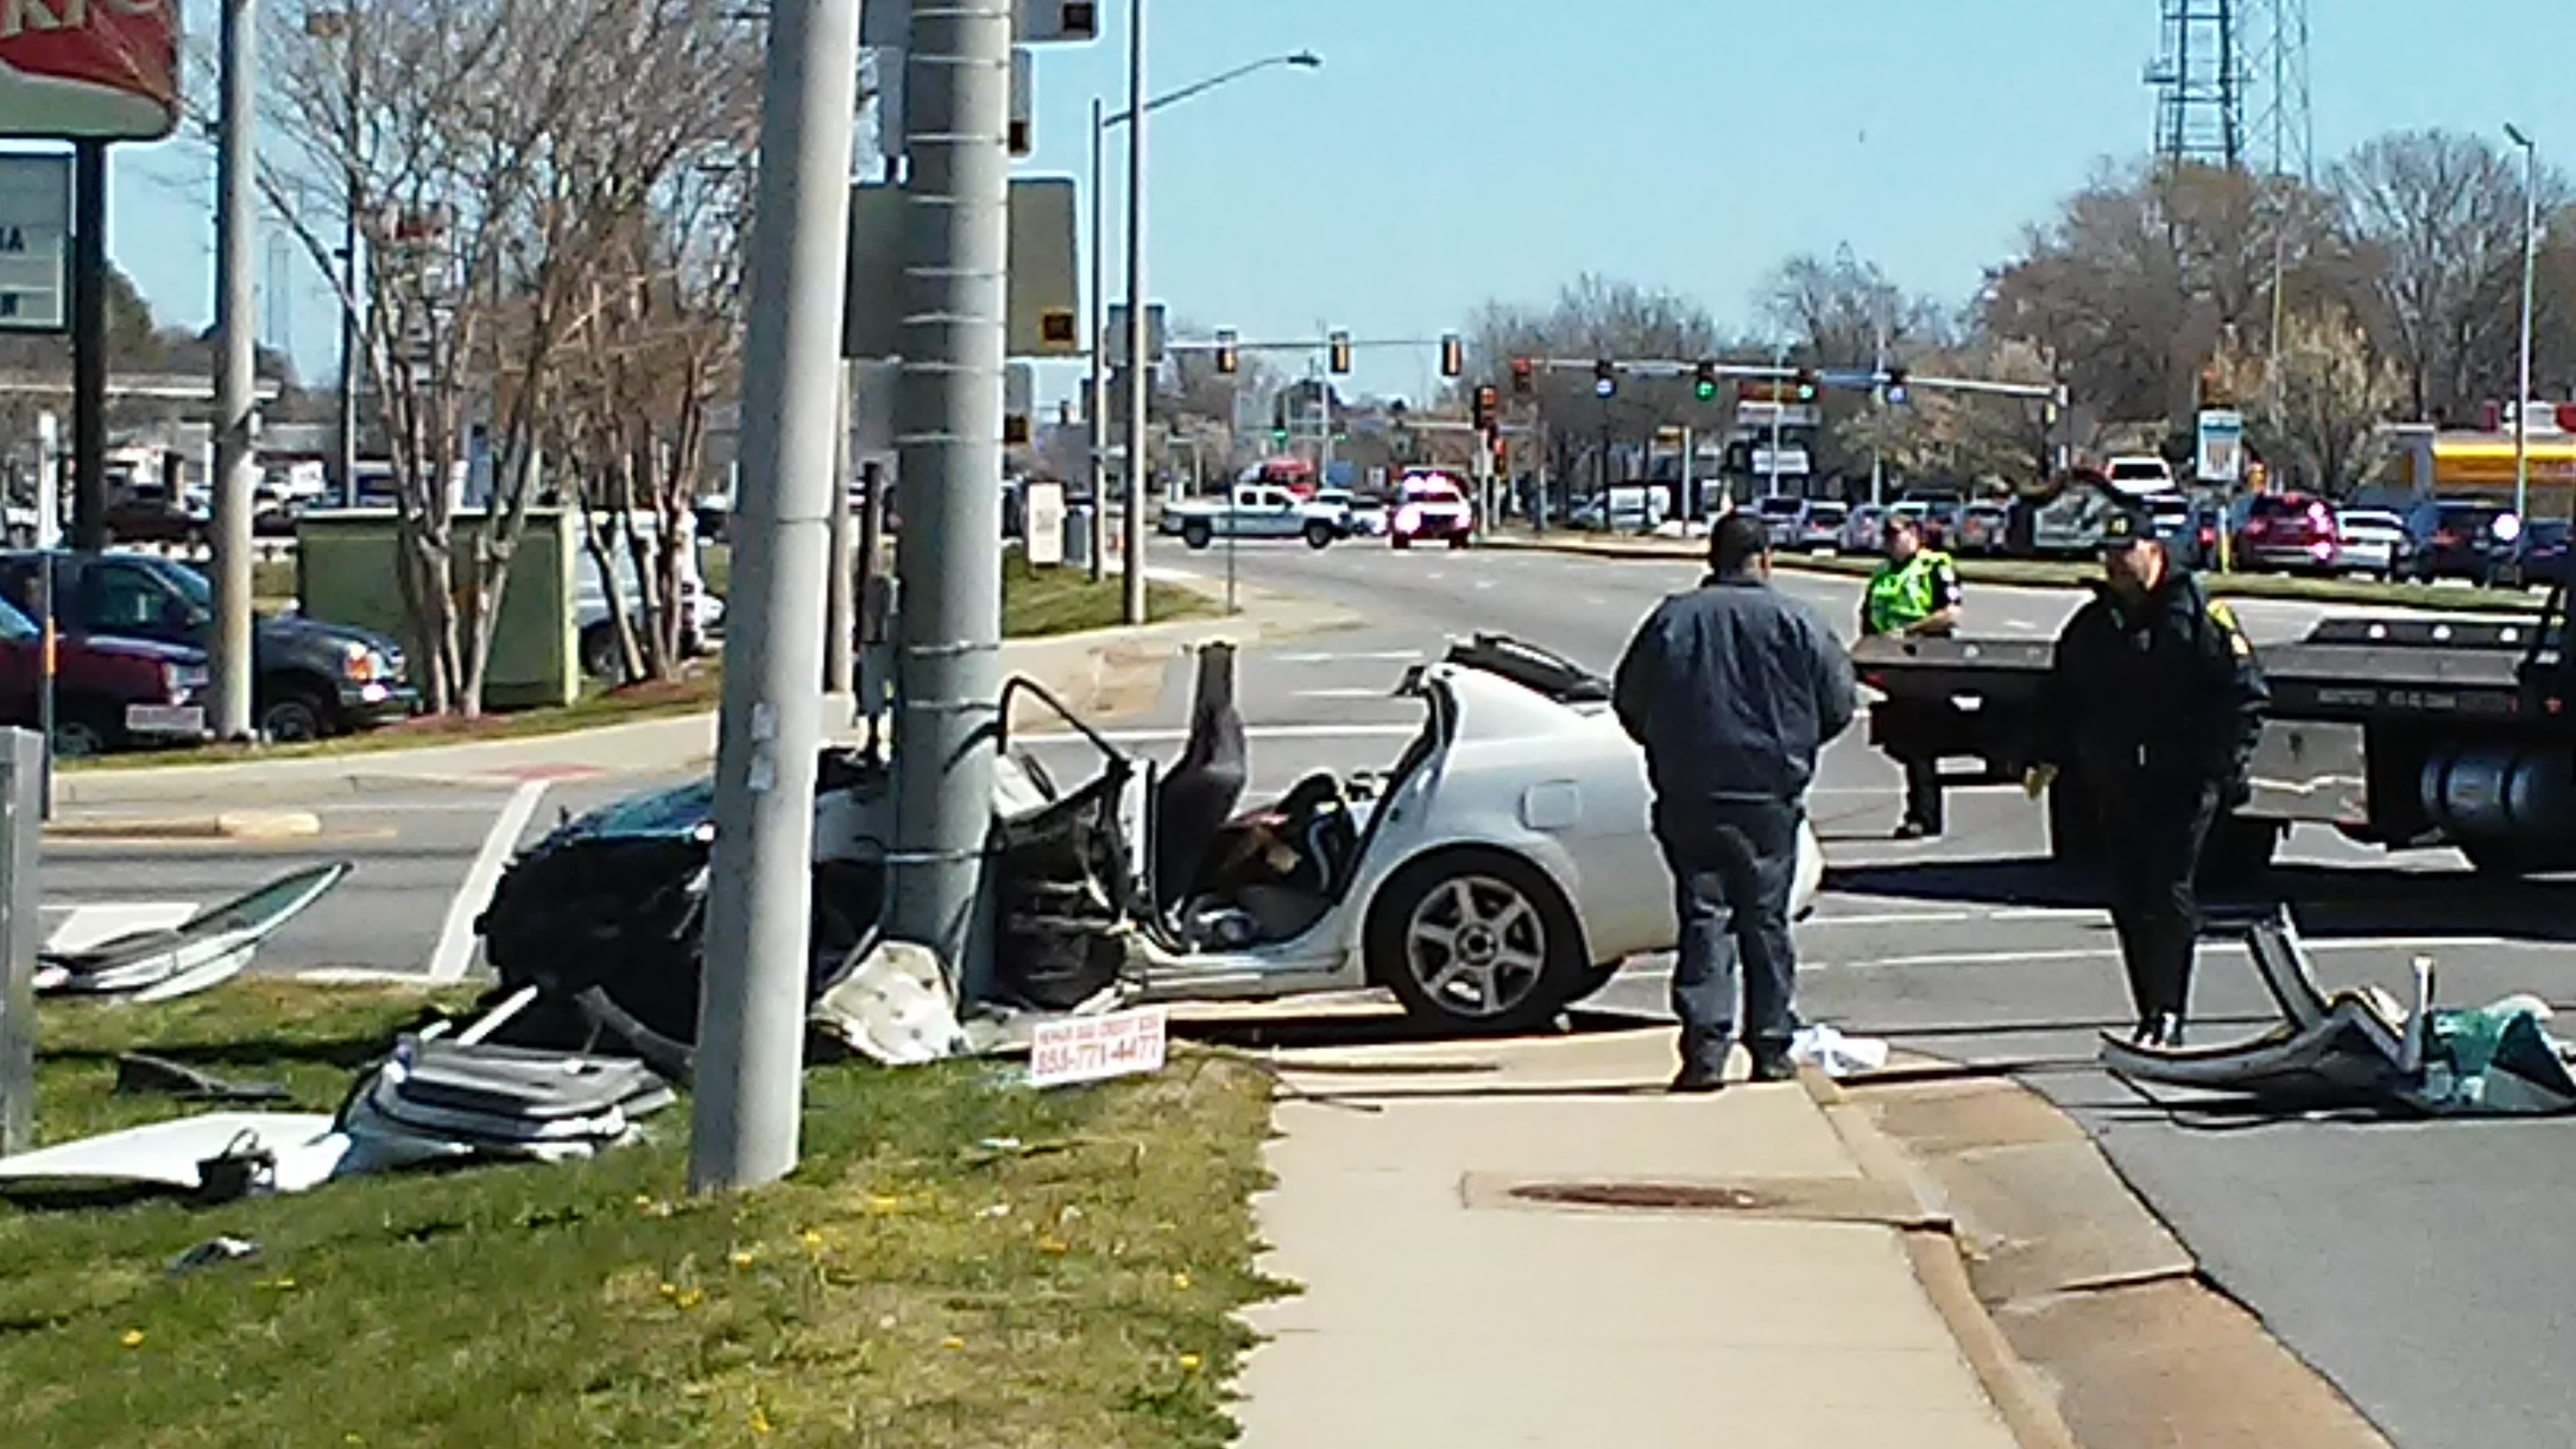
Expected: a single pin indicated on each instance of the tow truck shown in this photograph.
(2405, 733)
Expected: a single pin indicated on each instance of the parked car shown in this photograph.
(1253, 510)
(2458, 538)
(109, 693)
(1431, 507)
(311, 678)
(1984, 528)
(2141, 473)
(2370, 541)
(1820, 525)
(1780, 514)
(2189, 538)
(1866, 530)
(2294, 532)
(2538, 556)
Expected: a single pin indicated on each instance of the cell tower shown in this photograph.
(2199, 79)
(2284, 131)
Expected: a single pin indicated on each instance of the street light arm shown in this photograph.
(1304, 60)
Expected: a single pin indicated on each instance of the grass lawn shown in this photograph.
(1055, 601)
(909, 1285)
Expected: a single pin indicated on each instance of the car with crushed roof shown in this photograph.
(1500, 869)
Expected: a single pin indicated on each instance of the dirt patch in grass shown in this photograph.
(958, 1261)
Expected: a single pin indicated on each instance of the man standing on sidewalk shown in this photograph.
(1914, 593)
(1732, 689)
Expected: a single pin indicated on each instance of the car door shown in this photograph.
(129, 601)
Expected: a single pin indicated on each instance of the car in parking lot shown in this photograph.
(1820, 525)
(109, 693)
(2538, 556)
(2369, 541)
(2458, 538)
(1866, 530)
(1984, 528)
(2189, 529)
(2294, 532)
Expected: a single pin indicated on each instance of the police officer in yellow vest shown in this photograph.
(1916, 591)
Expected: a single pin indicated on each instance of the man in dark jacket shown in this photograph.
(1732, 689)
(2153, 708)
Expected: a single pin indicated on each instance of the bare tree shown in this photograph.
(1840, 311)
(496, 153)
(2324, 395)
(2438, 217)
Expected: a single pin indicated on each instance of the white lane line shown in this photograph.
(1937, 918)
(456, 935)
(2112, 953)
(1266, 732)
(1356, 656)
(1484, 583)
(1346, 692)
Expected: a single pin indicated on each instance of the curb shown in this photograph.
(222, 825)
(2021, 1395)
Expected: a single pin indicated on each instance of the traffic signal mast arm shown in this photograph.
(1822, 377)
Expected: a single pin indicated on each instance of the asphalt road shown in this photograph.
(2415, 1264)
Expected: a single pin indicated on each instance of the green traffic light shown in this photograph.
(1705, 390)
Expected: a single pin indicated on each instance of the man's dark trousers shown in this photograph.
(1734, 868)
(2152, 832)
(1923, 792)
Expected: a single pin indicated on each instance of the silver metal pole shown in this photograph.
(2522, 394)
(346, 434)
(948, 556)
(751, 1015)
(840, 664)
(236, 471)
(1140, 381)
(22, 763)
(1099, 406)
(1779, 410)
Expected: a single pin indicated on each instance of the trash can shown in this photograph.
(1077, 536)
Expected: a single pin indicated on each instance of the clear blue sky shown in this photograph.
(1455, 150)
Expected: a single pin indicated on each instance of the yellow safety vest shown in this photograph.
(1899, 596)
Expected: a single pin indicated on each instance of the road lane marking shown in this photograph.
(455, 952)
(1954, 917)
(1265, 732)
(1355, 656)
(2314, 945)
(1346, 692)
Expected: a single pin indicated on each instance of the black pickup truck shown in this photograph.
(2399, 732)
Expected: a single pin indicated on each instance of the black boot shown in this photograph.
(1703, 1064)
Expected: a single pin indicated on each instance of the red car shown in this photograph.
(110, 692)
(1430, 508)
(2289, 531)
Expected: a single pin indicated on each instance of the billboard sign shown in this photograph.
(101, 70)
(2222, 446)
(35, 242)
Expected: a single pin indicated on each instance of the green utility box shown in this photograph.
(345, 572)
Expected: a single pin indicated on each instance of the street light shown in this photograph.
(1140, 385)
(2530, 247)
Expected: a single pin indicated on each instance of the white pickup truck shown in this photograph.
(1255, 510)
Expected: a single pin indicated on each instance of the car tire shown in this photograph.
(600, 657)
(294, 715)
(1319, 536)
(80, 733)
(1397, 540)
(1459, 540)
(1480, 919)
(1197, 534)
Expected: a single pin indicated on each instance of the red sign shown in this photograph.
(89, 69)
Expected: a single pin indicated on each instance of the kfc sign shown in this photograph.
(89, 69)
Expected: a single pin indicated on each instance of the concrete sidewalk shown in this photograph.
(1099, 673)
(1765, 1272)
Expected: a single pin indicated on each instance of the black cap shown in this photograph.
(2126, 526)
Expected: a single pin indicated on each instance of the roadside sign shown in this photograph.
(1096, 1048)
(1033, 22)
(1045, 532)
(1019, 401)
(2222, 445)
(35, 242)
(103, 71)
(1041, 294)
(1023, 100)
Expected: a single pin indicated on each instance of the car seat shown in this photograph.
(1192, 803)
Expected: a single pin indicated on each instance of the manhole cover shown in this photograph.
(1668, 1195)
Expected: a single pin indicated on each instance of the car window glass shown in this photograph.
(123, 599)
(15, 627)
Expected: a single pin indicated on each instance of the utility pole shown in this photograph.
(2522, 393)
(1779, 410)
(1140, 379)
(236, 469)
(1099, 397)
(89, 346)
(948, 560)
(751, 1014)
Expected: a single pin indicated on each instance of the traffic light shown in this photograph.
(1523, 376)
(1896, 386)
(1453, 356)
(1605, 378)
(1704, 383)
(1338, 352)
(1227, 362)
(1806, 382)
(1279, 437)
(1488, 407)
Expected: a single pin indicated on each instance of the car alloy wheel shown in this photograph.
(77, 739)
(1477, 947)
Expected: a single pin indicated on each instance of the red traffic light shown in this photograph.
(1522, 374)
(1488, 405)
